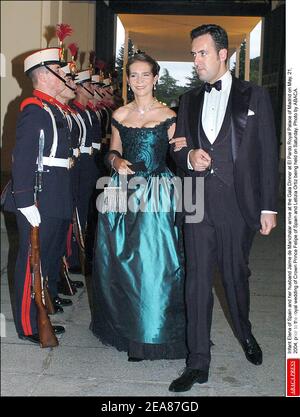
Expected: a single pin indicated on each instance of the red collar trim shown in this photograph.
(46, 97)
(91, 106)
(79, 105)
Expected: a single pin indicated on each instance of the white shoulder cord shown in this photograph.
(69, 120)
(75, 117)
(98, 115)
(83, 137)
(55, 136)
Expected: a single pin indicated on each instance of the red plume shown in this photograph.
(73, 48)
(63, 30)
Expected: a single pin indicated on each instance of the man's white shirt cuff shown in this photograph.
(189, 165)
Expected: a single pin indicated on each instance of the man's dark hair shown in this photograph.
(142, 57)
(218, 34)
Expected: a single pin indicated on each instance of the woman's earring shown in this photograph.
(154, 87)
(129, 89)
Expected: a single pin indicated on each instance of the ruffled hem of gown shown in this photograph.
(141, 350)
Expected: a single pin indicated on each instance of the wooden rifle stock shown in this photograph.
(48, 301)
(46, 333)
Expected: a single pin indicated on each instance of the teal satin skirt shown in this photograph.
(137, 301)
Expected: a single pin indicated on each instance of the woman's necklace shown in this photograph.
(145, 109)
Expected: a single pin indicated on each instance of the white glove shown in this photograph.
(32, 214)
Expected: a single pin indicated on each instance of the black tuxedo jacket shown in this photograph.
(253, 142)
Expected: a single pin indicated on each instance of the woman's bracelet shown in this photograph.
(107, 159)
(112, 162)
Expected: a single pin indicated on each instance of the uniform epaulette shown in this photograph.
(30, 100)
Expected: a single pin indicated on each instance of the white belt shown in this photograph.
(76, 152)
(96, 145)
(86, 149)
(56, 162)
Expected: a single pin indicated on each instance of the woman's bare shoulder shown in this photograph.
(121, 113)
(168, 113)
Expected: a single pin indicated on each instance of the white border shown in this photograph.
(292, 181)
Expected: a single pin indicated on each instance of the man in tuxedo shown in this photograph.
(228, 124)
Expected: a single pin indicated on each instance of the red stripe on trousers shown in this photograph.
(26, 302)
(69, 240)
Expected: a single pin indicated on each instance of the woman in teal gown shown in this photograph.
(137, 300)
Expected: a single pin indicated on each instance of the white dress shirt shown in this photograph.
(213, 113)
(214, 108)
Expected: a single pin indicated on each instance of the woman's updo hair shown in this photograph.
(140, 56)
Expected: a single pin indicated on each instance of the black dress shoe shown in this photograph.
(133, 359)
(188, 379)
(57, 309)
(252, 351)
(57, 301)
(34, 338)
(59, 329)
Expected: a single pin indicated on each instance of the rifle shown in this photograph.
(65, 283)
(46, 333)
(79, 238)
(48, 301)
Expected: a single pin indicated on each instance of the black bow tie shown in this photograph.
(217, 85)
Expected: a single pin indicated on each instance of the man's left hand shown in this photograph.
(268, 221)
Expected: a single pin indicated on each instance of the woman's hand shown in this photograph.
(122, 166)
(179, 143)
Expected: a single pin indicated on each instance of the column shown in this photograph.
(247, 58)
(237, 62)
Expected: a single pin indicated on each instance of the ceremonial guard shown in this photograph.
(96, 126)
(108, 104)
(89, 143)
(92, 212)
(104, 104)
(102, 113)
(65, 284)
(96, 83)
(42, 144)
